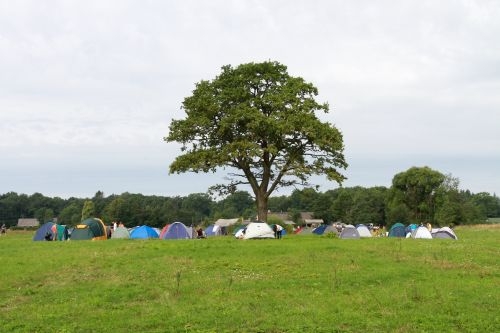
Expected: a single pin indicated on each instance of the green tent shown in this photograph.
(92, 228)
(62, 232)
(398, 230)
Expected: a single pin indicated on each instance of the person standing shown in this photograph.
(54, 232)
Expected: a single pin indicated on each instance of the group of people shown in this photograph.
(112, 228)
(117, 224)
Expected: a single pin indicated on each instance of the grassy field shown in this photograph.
(297, 284)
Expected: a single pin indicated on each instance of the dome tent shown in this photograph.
(120, 233)
(397, 230)
(163, 230)
(143, 232)
(349, 232)
(320, 230)
(91, 228)
(445, 233)
(258, 230)
(213, 230)
(421, 232)
(177, 230)
(42, 231)
(363, 231)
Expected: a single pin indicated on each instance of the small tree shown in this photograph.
(71, 214)
(88, 209)
(259, 121)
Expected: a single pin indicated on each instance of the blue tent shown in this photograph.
(320, 230)
(42, 232)
(397, 230)
(177, 230)
(411, 228)
(213, 230)
(143, 232)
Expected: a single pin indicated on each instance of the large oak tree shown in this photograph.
(261, 123)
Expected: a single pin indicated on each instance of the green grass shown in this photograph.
(297, 284)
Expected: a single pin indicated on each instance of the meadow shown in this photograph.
(296, 284)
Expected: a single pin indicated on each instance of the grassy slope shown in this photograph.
(298, 284)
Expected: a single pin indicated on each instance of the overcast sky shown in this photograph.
(88, 88)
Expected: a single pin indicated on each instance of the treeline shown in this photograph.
(131, 209)
(417, 195)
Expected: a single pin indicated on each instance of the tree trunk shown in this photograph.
(261, 201)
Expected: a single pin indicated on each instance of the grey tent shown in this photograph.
(445, 233)
(120, 233)
(349, 232)
(330, 229)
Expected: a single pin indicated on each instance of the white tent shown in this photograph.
(258, 230)
(240, 233)
(363, 231)
(421, 232)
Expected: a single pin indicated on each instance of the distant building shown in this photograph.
(26, 223)
(309, 221)
(306, 218)
(226, 222)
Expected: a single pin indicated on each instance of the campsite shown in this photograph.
(305, 283)
(249, 166)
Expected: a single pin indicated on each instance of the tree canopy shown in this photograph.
(261, 123)
(413, 194)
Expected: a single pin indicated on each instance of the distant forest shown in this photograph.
(444, 205)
